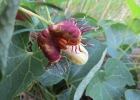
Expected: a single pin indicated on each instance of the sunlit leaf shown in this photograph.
(133, 24)
(32, 3)
(134, 8)
(109, 84)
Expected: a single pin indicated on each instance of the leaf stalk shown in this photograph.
(35, 15)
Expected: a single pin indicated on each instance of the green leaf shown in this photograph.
(35, 47)
(65, 94)
(129, 64)
(80, 89)
(134, 8)
(6, 29)
(58, 18)
(124, 47)
(32, 3)
(109, 84)
(50, 78)
(133, 23)
(26, 30)
(0, 74)
(132, 94)
(117, 35)
(21, 23)
(2, 5)
(22, 68)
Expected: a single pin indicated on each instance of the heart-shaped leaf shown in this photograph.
(133, 23)
(50, 78)
(22, 68)
(134, 8)
(132, 94)
(129, 64)
(7, 19)
(109, 84)
(117, 35)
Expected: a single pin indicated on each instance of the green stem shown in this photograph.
(47, 12)
(127, 49)
(67, 84)
(134, 68)
(43, 89)
(53, 96)
(35, 15)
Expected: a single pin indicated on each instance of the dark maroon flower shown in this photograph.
(49, 48)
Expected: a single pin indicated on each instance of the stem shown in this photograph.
(127, 49)
(134, 68)
(67, 84)
(47, 12)
(49, 93)
(46, 91)
(35, 15)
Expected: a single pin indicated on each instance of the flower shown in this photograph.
(79, 57)
(50, 49)
(69, 32)
(48, 46)
(64, 36)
